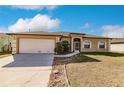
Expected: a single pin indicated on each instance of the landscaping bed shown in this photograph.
(5, 54)
(58, 76)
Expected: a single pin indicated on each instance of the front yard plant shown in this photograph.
(62, 47)
(5, 54)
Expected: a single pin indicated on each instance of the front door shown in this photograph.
(77, 46)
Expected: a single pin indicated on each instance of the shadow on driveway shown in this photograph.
(31, 60)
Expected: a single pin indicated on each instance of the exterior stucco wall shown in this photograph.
(14, 45)
(94, 45)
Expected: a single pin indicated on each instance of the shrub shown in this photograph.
(66, 46)
(62, 47)
(59, 48)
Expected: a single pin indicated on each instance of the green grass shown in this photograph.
(5, 54)
(96, 69)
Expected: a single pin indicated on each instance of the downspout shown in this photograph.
(61, 38)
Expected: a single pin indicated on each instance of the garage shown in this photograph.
(117, 47)
(36, 45)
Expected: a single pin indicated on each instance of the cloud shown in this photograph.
(37, 23)
(89, 28)
(34, 7)
(51, 7)
(86, 26)
(115, 31)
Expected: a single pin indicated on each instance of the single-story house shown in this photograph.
(117, 45)
(45, 42)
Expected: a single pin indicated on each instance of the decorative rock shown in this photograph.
(55, 71)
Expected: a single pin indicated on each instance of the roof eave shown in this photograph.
(98, 37)
(32, 34)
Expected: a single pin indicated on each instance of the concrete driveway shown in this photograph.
(26, 70)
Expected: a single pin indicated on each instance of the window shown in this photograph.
(101, 44)
(87, 44)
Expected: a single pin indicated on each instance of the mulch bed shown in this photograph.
(58, 77)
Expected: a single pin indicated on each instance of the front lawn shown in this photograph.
(5, 54)
(90, 70)
(96, 70)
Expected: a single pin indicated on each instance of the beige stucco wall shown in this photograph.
(94, 45)
(14, 42)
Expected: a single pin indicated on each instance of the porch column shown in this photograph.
(14, 45)
(109, 45)
(72, 44)
(81, 44)
(17, 45)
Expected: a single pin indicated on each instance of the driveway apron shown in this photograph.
(26, 70)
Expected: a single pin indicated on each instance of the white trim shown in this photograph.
(99, 44)
(87, 41)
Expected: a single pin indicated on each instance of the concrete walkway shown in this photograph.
(26, 70)
(68, 55)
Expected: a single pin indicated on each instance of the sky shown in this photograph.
(97, 20)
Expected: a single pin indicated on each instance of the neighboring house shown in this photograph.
(44, 42)
(117, 45)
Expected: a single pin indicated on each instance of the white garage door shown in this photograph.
(117, 47)
(36, 46)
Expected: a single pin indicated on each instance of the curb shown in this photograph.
(66, 76)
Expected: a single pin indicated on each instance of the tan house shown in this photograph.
(117, 45)
(44, 42)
